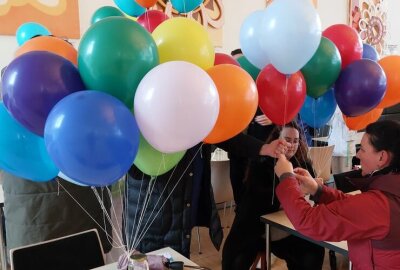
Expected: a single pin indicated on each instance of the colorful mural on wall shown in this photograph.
(61, 17)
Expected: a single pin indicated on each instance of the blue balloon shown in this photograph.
(317, 112)
(369, 52)
(30, 29)
(92, 137)
(185, 6)
(130, 7)
(22, 153)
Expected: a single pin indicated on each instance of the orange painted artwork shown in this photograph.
(61, 17)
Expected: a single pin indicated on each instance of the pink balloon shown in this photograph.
(222, 58)
(151, 19)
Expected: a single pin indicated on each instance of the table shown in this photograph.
(280, 221)
(175, 255)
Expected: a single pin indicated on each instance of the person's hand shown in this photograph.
(307, 184)
(283, 165)
(262, 120)
(274, 148)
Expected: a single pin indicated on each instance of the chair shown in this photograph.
(80, 251)
(321, 158)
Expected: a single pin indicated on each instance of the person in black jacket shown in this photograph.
(181, 198)
(246, 235)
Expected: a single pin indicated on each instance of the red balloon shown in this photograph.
(146, 3)
(222, 58)
(347, 41)
(280, 96)
(151, 19)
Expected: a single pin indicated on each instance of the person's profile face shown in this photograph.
(292, 136)
(369, 157)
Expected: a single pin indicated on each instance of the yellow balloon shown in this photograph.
(183, 39)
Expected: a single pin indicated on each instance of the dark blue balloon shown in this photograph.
(360, 87)
(369, 52)
(92, 137)
(317, 112)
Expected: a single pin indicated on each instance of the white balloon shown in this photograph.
(291, 32)
(250, 39)
(176, 106)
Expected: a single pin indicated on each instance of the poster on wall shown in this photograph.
(61, 17)
(369, 19)
(210, 14)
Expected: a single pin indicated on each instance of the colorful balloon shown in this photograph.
(250, 39)
(290, 43)
(239, 91)
(23, 153)
(317, 112)
(347, 41)
(249, 67)
(105, 12)
(185, 6)
(146, 3)
(360, 87)
(114, 55)
(391, 67)
(92, 137)
(280, 96)
(323, 69)
(130, 7)
(30, 92)
(50, 44)
(151, 19)
(369, 52)
(183, 39)
(30, 29)
(222, 58)
(176, 106)
(362, 121)
(152, 162)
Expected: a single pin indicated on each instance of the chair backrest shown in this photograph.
(321, 158)
(221, 181)
(80, 251)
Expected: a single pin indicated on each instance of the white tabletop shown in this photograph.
(176, 256)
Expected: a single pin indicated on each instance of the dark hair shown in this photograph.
(385, 135)
(302, 152)
(236, 51)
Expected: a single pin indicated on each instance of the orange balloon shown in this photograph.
(238, 99)
(146, 3)
(391, 67)
(51, 44)
(362, 121)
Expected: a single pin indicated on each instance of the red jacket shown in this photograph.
(367, 221)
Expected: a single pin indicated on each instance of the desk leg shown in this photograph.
(268, 246)
(3, 254)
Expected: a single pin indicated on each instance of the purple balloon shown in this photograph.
(34, 82)
(360, 87)
(369, 52)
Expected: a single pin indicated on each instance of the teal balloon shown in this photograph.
(23, 153)
(153, 162)
(114, 55)
(105, 12)
(28, 30)
(185, 6)
(323, 69)
(130, 7)
(249, 67)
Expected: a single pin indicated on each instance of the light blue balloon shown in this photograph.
(185, 6)
(23, 153)
(130, 7)
(317, 112)
(250, 42)
(369, 52)
(30, 29)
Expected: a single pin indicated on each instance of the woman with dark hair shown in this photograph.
(245, 237)
(368, 221)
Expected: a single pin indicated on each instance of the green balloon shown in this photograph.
(249, 67)
(152, 162)
(114, 55)
(323, 68)
(104, 12)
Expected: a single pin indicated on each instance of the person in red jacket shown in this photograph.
(369, 221)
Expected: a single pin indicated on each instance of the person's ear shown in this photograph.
(384, 159)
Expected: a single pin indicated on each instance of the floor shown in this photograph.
(211, 258)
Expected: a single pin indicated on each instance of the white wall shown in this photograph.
(331, 12)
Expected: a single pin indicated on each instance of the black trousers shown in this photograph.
(299, 254)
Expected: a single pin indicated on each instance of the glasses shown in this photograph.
(178, 265)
